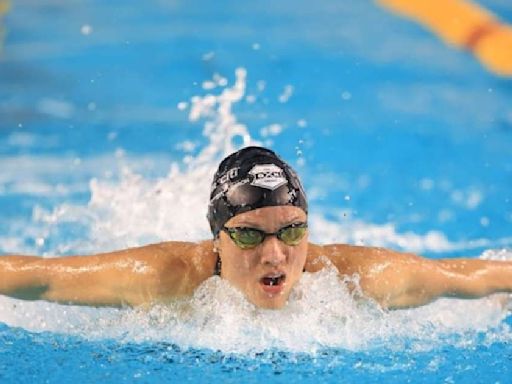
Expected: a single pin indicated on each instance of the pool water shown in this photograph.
(114, 114)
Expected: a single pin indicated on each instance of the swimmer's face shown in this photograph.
(267, 272)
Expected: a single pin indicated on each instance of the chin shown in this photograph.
(277, 302)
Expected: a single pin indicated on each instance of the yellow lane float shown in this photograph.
(463, 24)
(4, 7)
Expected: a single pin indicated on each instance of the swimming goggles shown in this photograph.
(246, 237)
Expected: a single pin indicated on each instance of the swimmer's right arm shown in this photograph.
(136, 276)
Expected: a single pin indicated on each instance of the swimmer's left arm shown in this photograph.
(464, 278)
(402, 280)
(410, 280)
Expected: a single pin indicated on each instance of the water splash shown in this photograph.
(136, 210)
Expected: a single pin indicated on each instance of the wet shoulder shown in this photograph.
(177, 268)
(198, 258)
(348, 259)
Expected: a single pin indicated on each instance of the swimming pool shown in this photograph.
(400, 140)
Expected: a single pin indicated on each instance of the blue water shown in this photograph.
(108, 361)
(386, 125)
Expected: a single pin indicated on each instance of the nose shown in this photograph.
(272, 252)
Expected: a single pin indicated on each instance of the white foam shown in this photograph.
(359, 232)
(56, 108)
(344, 229)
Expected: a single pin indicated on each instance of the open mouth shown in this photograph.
(273, 280)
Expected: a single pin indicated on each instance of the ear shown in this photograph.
(216, 245)
(216, 249)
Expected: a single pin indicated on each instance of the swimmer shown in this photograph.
(258, 215)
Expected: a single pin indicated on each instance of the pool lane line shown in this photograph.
(465, 25)
(5, 6)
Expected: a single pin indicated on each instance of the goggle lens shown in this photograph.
(291, 235)
(247, 238)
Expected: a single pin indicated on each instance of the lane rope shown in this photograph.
(5, 6)
(463, 24)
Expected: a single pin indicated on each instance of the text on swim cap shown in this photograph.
(268, 176)
(229, 175)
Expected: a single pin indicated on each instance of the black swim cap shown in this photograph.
(251, 178)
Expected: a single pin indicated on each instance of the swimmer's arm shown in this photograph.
(402, 280)
(424, 280)
(131, 277)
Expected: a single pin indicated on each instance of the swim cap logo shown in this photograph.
(268, 176)
(230, 175)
